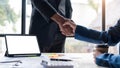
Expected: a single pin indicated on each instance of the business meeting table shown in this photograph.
(79, 60)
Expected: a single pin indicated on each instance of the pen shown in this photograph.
(11, 61)
(53, 59)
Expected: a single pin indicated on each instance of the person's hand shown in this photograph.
(96, 53)
(69, 24)
(60, 20)
(99, 49)
(65, 30)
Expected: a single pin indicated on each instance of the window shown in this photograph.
(10, 18)
(89, 13)
(28, 14)
(112, 17)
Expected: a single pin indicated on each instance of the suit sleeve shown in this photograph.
(89, 35)
(111, 37)
(68, 9)
(108, 60)
(44, 7)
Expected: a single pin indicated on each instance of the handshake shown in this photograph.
(68, 27)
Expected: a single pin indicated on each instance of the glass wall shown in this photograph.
(112, 16)
(28, 14)
(10, 18)
(87, 13)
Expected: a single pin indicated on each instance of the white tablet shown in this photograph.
(22, 45)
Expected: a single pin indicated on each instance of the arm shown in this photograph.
(108, 60)
(111, 37)
(45, 8)
(85, 34)
(89, 35)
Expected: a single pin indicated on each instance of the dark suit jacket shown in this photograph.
(41, 24)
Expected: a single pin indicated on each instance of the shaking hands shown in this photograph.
(68, 28)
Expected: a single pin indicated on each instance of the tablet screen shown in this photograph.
(20, 44)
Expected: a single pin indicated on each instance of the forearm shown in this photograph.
(89, 35)
(48, 10)
(58, 19)
(108, 60)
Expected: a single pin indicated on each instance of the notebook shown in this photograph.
(22, 45)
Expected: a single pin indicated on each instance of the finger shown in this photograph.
(66, 23)
(70, 35)
(70, 30)
(67, 30)
(63, 33)
(66, 34)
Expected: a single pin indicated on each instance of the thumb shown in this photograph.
(66, 23)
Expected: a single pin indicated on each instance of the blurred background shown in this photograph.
(85, 12)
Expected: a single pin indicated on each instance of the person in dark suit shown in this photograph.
(46, 20)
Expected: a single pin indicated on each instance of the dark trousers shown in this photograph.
(56, 47)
